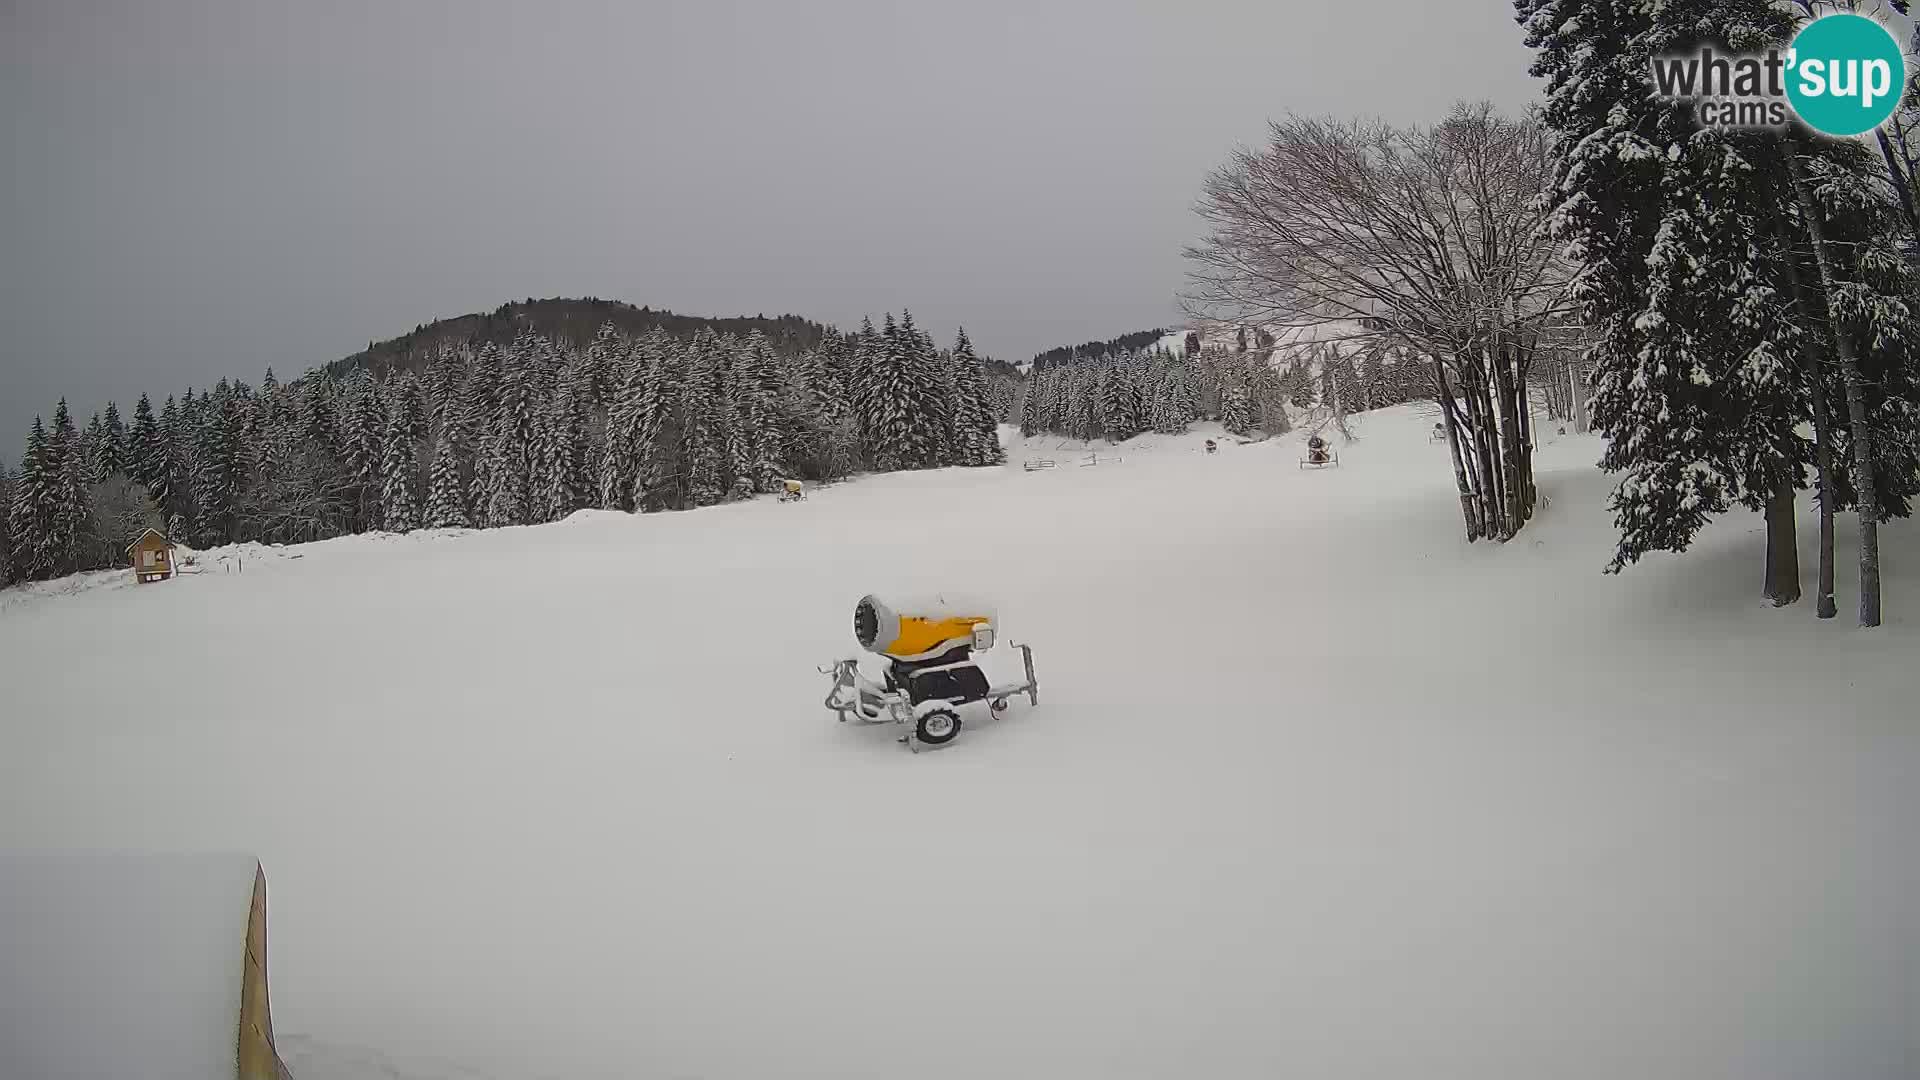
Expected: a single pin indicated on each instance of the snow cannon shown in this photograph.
(919, 629)
(929, 645)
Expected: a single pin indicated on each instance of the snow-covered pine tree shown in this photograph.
(270, 402)
(114, 451)
(758, 390)
(144, 451)
(1119, 406)
(509, 464)
(217, 476)
(562, 486)
(479, 483)
(29, 516)
(319, 413)
(172, 493)
(929, 407)
(446, 493)
(703, 412)
(978, 427)
(362, 432)
(482, 393)
(1667, 224)
(69, 510)
(1082, 381)
(603, 364)
(658, 482)
(7, 482)
(1236, 409)
(618, 465)
(407, 393)
(867, 352)
(892, 402)
(728, 424)
(399, 487)
(442, 383)
(91, 443)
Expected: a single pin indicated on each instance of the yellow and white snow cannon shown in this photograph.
(929, 645)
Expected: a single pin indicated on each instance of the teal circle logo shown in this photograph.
(1845, 74)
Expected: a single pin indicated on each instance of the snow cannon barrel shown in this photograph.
(908, 629)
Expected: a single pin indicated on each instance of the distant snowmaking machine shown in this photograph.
(929, 646)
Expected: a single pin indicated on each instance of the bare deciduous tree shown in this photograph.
(1425, 238)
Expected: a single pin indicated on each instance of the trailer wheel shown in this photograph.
(937, 726)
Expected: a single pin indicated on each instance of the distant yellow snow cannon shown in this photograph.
(929, 645)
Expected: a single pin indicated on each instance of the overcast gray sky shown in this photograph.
(197, 190)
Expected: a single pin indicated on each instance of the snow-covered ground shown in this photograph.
(122, 966)
(1314, 788)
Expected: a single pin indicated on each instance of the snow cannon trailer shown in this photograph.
(929, 647)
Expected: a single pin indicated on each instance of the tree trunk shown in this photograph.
(1469, 513)
(1512, 438)
(1493, 490)
(1783, 551)
(1865, 491)
(1823, 606)
(1579, 398)
(1901, 184)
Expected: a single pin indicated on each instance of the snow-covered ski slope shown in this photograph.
(1314, 788)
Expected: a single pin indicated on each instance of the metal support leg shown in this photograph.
(1033, 684)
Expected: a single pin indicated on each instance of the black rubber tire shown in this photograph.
(943, 732)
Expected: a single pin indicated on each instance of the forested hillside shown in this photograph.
(480, 435)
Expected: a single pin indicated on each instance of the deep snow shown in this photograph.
(1314, 787)
(121, 965)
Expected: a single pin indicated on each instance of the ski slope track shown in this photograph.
(1314, 787)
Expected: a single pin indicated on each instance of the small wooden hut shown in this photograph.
(152, 556)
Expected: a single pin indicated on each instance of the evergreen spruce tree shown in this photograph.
(399, 488)
(479, 483)
(758, 382)
(977, 429)
(657, 480)
(145, 452)
(30, 516)
(8, 574)
(919, 390)
(1674, 232)
(736, 453)
(68, 509)
(509, 469)
(866, 356)
(1082, 384)
(703, 424)
(620, 462)
(92, 446)
(411, 398)
(446, 493)
(269, 397)
(362, 432)
(482, 393)
(115, 457)
(1030, 411)
(560, 476)
(603, 363)
(892, 405)
(215, 459)
(1236, 410)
